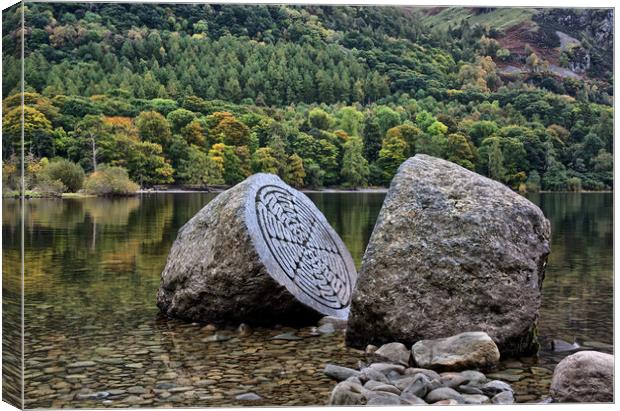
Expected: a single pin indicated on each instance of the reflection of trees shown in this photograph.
(118, 271)
(578, 288)
(93, 244)
(352, 215)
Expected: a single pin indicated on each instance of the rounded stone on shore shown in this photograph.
(395, 353)
(444, 393)
(466, 350)
(340, 373)
(587, 376)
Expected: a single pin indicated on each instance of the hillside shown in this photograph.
(576, 42)
(208, 94)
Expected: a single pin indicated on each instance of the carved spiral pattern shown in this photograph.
(302, 246)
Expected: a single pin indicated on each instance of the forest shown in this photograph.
(121, 96)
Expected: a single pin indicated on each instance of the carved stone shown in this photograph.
(260, 252)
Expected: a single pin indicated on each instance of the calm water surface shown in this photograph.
(92, 272)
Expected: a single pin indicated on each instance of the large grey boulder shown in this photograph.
(471, 350)
(452, 251)
(259, 253)
(587, 376)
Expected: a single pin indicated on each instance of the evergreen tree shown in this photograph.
(372, 139)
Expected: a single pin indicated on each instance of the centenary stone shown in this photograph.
(587, 376)
(462, 351)
(261, 253)
(451, 251)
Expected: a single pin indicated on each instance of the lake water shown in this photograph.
(92, 272)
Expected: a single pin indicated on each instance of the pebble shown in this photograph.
(136, 390)
(92, 395)
(469, 389)
(180, 389)
(495, 387)
(327, 328)
(475, 399)
(370, 349)
(216, 338)
(385, 368)
(447, 402)
(82, 364)
(444, 393)
(290, 336)
(340, 373)
(180, 370)
(453, 380)
(505, 377)
(250, 396)
(383, 398)
(133, 399)
(410, 399)
(377, 386)
(504, 397)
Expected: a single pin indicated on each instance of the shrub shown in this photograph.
(68, 173)
(573, 184)
(47, 187)
(110, 181)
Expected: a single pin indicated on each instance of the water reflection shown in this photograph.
(92, 271)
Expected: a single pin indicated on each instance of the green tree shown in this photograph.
(89, 132)
(393, 153)
(232, 132)
(179, 118)
(231, 164)
(320, 119)
(496, 162)
(154, 128)
(355, 169)
(263, 161)
(386, 118)
(295, 172)
(350, 120)
(147, 166)
(460, 150)
(37, 131)
(199, 168)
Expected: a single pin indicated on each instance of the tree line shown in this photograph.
(322, 96)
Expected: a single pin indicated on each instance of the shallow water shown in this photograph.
(92, 271)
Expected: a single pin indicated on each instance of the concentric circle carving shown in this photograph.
(303, 247)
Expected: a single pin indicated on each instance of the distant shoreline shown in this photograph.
(371, 190)
(304, 190)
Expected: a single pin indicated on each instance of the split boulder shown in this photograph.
(452, 251)
(259, 253)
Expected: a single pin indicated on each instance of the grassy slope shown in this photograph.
(500, 18)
